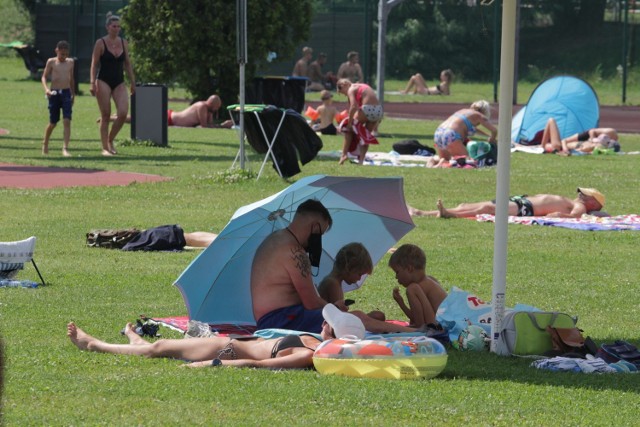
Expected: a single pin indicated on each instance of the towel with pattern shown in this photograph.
(586, 222)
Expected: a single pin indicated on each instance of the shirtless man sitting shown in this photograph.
(550, 205)
(197, 114)
(351, 69)
(282, 289)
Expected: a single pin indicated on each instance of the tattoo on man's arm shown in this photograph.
(302, 262)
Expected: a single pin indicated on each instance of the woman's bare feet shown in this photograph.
(80, 338)
(418, 212)
(343, 158)
(134, 338)
(112, 149)
(442, 212)
(45, 149)
(106, 153)
(65, 152)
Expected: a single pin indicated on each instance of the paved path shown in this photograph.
(21, 176)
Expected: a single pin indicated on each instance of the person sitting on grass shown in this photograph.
(589, 200)
(450, 136)
(288, 352)
(417, 84)
(352, 266)
(326, 112)
(424, 293)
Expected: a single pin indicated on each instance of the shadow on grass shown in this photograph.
(490, 367)
(423, 138)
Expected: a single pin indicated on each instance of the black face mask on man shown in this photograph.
(314, 249)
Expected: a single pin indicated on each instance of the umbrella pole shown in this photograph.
(507, 59)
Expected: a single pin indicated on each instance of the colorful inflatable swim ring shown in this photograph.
(393, 358)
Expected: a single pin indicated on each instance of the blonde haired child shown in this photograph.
(326, 112)
(424, 293)
(352, 263)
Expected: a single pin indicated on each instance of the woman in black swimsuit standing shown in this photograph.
(109, 60)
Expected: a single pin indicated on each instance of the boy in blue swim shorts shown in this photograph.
(60, 95)
(295, 317)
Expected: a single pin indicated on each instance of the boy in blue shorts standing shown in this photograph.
(60, 95)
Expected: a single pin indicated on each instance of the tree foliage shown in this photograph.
(193, 43)
(428, 36)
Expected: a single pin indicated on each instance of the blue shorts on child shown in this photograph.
(60, 101)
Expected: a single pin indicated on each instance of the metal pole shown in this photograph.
(516, 54)
(384, 7)
(625, 50)
(507, 59)
(241, 16)
(73, 30)
(496, 49)
(95, 19)
(382, 30)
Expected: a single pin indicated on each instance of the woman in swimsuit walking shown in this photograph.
(109, 60)
(288, 352)
(451, 135)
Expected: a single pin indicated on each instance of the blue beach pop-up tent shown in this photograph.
(571, 101)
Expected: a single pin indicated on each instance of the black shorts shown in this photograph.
(584, 136)
(525, 208)
(163, 238)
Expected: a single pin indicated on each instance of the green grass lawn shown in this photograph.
(47, 381)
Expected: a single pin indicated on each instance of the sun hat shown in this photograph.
(592, 192)
(343, 324)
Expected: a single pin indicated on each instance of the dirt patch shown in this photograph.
(21, 176)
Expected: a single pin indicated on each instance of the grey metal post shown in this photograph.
(384, 7)
(241, 40)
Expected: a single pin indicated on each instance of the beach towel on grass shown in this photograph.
(180, 323)
(377, 158)
(586, 222)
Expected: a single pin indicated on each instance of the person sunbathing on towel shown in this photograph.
(365, 112)
(199, 113)
(550, 205)
(584, 142)
(288, 352)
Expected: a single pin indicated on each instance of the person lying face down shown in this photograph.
(200, 113)
(288, 352)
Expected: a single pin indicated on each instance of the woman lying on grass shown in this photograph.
(288, 352)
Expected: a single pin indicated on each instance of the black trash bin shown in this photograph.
(149, 113)
(283, 92)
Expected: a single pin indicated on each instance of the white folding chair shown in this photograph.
(256, 110)
(13, 256)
